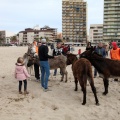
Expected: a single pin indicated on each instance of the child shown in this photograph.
(21, 74)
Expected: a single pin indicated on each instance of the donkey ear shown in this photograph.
(93, 48)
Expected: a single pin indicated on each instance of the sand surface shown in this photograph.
(62, 103)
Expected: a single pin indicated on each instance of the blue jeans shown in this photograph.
(45, 73)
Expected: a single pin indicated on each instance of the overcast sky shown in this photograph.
(16, 15)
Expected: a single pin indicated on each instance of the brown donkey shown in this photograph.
(82, 71)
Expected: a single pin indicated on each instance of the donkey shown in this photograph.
(59, 62)
(106, 67)
(82, 71)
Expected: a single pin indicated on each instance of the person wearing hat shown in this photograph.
(115, 53)
(44, 65)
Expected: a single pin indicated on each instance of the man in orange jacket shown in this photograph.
(115, 53)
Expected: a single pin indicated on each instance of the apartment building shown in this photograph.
(29, 34)
(96, 33)
(74, 20)
(111, 28)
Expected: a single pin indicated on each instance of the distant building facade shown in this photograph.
(59, 35)
(6, 35)
(96, 33)
(29, 34)
(74, 20)
(111, 28)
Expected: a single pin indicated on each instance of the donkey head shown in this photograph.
(71, 58)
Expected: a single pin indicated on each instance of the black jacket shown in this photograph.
(43, 53)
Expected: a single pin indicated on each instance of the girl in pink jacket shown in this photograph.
(21, 74)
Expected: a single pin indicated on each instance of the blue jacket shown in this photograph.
(100, 51)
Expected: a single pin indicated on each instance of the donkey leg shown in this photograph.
(83, 86)
(66, 73)
(94, 91)
(84, 95)
(106, 84)
(76, 84)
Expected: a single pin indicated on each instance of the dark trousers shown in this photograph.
(25, 85)
(36, 69)
(95, 72)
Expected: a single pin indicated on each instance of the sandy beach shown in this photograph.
(62, 103)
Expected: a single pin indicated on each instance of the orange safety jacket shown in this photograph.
(115, 54)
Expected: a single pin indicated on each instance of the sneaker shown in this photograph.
(54, 75)
(45, 90)
(38, 80)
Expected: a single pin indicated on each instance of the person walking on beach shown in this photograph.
(45, 68)
(21, 75)
(115, 53)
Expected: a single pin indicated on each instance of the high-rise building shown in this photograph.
(96, 33)
(111, 28)
(74, 20)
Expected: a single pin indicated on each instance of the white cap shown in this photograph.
(43, 40)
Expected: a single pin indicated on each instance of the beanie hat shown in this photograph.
(114, 44)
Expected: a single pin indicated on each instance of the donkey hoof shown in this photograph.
(97, 104)
(83, 103)
(104, 93)
(66, 81)
(61, 80)
(75, 89)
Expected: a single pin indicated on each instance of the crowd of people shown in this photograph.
(41, 49)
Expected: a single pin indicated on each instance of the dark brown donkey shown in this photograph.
(82, 71)
(106, 67)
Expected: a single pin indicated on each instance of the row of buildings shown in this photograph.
(30, 34)
(74, 24)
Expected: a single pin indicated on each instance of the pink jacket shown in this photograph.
(21, 72)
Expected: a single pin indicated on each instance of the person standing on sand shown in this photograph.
(89, 47)
(21, 75)
(36, 66)
(101, 51)
(57, 51)
(115, 53)
(45, 68)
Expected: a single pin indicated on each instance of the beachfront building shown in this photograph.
(96, 33)
(111, 28)
(6, 35)
(74, 20)
(29, 34)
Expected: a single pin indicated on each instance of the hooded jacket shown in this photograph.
(115, 52)
(21, 72)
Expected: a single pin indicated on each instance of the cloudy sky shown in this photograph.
(16, 15)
